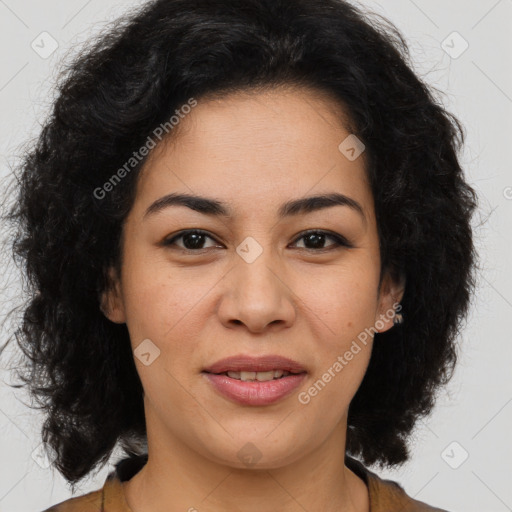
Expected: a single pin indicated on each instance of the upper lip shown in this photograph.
(243, 362)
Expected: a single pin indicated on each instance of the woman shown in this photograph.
(248, 238)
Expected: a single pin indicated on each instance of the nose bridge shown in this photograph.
(258, 294)
(257, 269)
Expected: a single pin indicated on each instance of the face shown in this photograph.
(252, 281)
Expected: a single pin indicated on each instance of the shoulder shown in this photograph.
(110, 498)
(386, 495)
(90, 502)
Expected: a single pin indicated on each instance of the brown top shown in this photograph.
(384, 495)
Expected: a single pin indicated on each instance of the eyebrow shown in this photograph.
(213, 207)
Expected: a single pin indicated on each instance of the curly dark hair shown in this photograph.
(79, 366)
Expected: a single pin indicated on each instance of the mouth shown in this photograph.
(248, 376)
(255, 381)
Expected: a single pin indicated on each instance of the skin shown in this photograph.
(252, 151)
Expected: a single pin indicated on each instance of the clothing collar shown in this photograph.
(383, 494)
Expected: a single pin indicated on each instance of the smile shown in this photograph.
(255, 388)
(248, 376)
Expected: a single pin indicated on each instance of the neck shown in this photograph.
(177, 477)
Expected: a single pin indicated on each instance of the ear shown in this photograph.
(391, 293)
(111, 302)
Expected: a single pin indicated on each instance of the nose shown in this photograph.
(258, 296)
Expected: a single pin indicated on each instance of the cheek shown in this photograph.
(170, 308)
(162, 306)
(157, 298)
(342, 346)
(342, 313)
(345, 301)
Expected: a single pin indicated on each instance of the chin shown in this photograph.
(256, 452)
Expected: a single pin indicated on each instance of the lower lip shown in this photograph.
(255, 393)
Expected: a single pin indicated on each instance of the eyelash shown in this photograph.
(339, 241)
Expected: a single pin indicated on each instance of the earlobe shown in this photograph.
(392, 291)
(111, 303)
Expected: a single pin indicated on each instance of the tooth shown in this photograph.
(257, 376)
(264, 376)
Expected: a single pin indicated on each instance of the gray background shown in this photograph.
(462, 455)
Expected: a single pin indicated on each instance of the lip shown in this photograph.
(243, 362)
(255, 393)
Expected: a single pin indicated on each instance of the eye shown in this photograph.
(193, 240)
(316, 239)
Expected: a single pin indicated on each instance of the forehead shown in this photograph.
(255, 149)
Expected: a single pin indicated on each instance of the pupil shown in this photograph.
(318, 238)
(196, 240)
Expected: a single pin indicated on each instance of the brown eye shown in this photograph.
(193, 240)
(315, 240)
